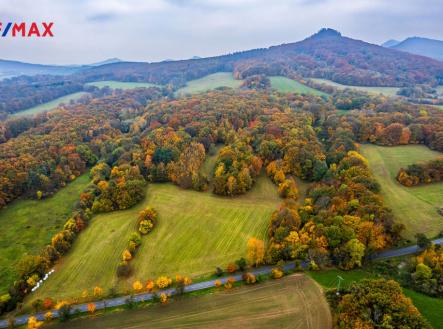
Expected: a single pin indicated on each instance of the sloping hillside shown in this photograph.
(326, 54)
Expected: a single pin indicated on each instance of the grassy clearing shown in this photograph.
(121, 85)
(209, 82)
(387, 91)
(195, 233)
(27, 225)
(50, 105)
(286, 85)
(415, 207)
(428, 306)
(208, 165)
(431, 308)
(302, 187)
(292, 302)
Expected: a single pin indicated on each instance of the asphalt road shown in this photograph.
(112, 302)
(402, 251)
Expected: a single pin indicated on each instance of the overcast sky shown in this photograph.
(87, 31)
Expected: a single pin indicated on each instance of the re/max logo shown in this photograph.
(26, 30)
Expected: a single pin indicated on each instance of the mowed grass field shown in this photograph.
(121, 85)
(209, 82)
(387, 91)
(294, 302)
(286, 85)
(50, 105)
(196, 232)
(415, 207)
(27, 225)
(429, 307)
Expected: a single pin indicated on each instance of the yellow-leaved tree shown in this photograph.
(137, 286)
(163, 282)
(91, 308)
(255, 251)
(34, 323)
(98, 292)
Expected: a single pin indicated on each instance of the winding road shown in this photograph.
(119, 301)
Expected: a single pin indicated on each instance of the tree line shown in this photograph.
(61, 146)
(421, 173)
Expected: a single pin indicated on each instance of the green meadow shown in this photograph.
(387, 91)
(196, 231)
(50, 105)
(27, 225)
(415, 207)
(286, 85)
(121, 85)
(209, 82)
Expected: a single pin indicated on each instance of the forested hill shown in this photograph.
(326, 54)
(15, 68)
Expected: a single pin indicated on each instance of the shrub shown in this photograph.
(126, 255)
(149, 214)
(124, 270)
(231, 268)
(276, 273)
(423, 241)
(260, 278)
(48, 316)
(64, 312)
(313, 266)
(163, 298)
(98, 292)
(163, 282)
(145, 226)
(91, 308)
(150, 285)
(218, 272)
(137, 286)
(135, 238)
(33, 323)
(249, 278)
(241, 264)
(37, 304)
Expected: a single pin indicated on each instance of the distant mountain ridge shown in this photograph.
(106, 61)
(9, 68)
(14, 68)
(326, 54)
(420, 46)
(390, 43)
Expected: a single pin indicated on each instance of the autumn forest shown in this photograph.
(294, 158)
